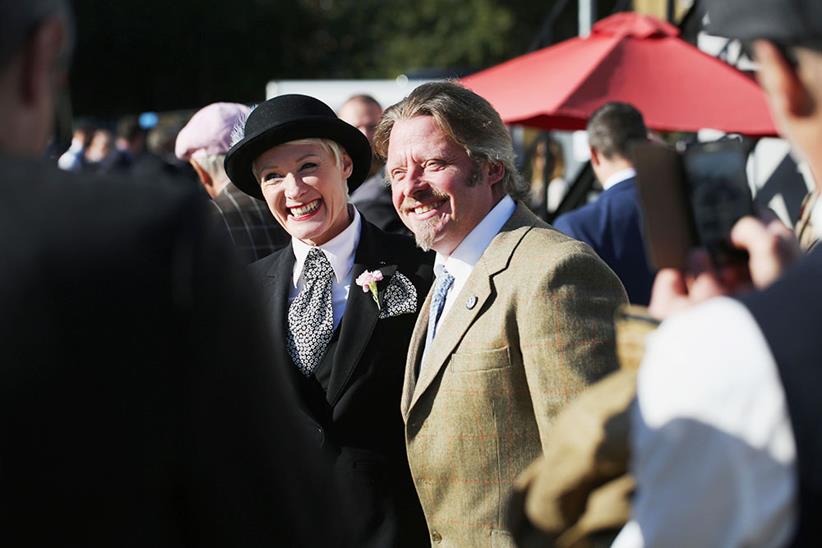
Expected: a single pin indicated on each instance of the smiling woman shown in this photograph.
(344, 350)
(304, 184)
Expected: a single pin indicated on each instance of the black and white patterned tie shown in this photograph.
(310, 316)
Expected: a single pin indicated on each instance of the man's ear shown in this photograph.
(594, 156)
(496, 171)
(40, 58)
(786, 92)
(202, 174)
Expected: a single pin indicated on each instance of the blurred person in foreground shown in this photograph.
(342, 299)
(612, 225)
(203, 142)
(129, 413)
(725, 431)
(519, 320)
(373, 197)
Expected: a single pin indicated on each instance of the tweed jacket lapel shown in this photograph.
(415, 349)
(460, 317)
(361, 313)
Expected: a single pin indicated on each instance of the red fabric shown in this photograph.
(631, 58)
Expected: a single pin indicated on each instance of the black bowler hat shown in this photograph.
(786, 22)
(289, 118)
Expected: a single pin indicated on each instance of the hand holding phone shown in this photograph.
(700, 228)
(692, 201)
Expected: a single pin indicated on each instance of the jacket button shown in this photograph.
(436, 537)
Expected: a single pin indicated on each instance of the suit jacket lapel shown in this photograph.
(361, 314)
(277, 286)
(460, 317)
(415, 350)
(452, 327)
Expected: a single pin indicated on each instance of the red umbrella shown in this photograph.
(632, 58)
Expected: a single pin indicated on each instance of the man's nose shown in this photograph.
(413, 180)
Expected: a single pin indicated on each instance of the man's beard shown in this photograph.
(425, 232)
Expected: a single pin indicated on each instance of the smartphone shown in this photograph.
(692, 200)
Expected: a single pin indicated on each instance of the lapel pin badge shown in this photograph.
(471, 302)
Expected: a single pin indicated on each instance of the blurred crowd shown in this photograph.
(132, 148)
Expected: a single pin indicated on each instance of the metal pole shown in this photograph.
(587, 16)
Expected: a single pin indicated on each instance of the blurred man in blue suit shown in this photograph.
(612, 225)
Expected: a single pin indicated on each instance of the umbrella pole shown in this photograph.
(587, 15)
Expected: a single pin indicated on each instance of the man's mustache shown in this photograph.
(423, 196)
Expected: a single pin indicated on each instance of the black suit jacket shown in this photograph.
(356, 417)
(137, 402)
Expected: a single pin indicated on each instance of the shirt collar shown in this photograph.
(462, 260)
(339, 250)
(618, 177)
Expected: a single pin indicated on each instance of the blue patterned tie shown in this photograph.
(444, 283)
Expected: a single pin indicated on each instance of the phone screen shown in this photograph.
(719, 196)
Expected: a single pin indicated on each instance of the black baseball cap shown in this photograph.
(784, 22)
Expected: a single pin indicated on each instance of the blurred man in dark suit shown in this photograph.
(130, 415)
(612, 225)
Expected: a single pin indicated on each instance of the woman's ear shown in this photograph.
(347, 165)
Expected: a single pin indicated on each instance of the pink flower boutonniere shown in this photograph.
(368, 281)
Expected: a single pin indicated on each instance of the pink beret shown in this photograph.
(209, 130)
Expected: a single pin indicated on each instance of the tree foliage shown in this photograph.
(172, 54)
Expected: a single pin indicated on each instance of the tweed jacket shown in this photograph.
(531, 327)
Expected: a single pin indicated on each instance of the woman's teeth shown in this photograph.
(306, 209)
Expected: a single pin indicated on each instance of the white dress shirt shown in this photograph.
(618, 177)
(461, 262)
(340, 252)
(712, 447)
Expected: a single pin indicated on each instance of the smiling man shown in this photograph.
(519, 320)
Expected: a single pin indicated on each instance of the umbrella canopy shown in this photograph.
(631, 58)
